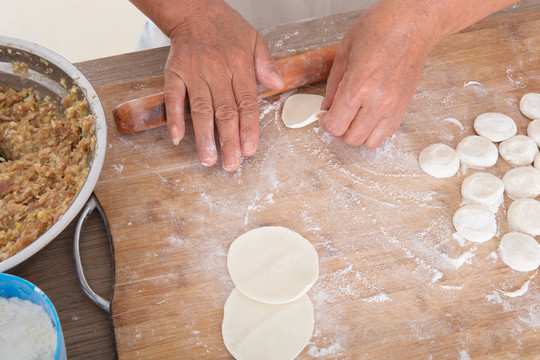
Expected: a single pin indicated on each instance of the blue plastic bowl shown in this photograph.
(13, 286)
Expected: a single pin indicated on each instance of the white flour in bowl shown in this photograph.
(26, 331)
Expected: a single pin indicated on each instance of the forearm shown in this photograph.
(432, 20)
(169, 14)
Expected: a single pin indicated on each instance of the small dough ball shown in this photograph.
(254, 330)
(477, 152)
(475, 223)
(520, 251)
(273, 264)
(300, 110)
(439, 160)
(519, 150)
(524, 216)
(522, 182)
(533, 131)
(495, 126)
(483, 189)
(537, 161)
(529, 105)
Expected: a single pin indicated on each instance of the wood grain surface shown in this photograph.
(394, 280)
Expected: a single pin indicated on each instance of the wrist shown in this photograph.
(170, 14)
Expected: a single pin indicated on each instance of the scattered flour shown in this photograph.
(314, 351)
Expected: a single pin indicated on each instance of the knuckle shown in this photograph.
(226, 113)
(200, 107)
(247, 102)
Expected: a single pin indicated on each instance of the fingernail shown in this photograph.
(249, 148)
(231, 161)
(175, 135)
(278, 77)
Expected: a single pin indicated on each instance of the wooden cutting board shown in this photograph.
(394, 281)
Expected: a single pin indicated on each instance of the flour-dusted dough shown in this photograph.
(475, 223)
(537, 161)
(301, 109)
(533, 131)
(520, 251)
(522, 182)
(519, 150)
(477, 152)
(495, 126)
(530, 105)
(254, 330)
(483, 189)
(439, 160)
(524, 216)
(273, 264)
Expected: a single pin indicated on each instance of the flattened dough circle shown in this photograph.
(484, 189)
(522, 182)
(533, 131)
(520, 251)
(300, 110)
(273, 264)
(519, 150)
(529, 105)
(439, 160)
(475, 223)
(254, 330)
(524, 216)
(495, 126)
(477, 152)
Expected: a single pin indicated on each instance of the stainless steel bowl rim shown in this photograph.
(98, 155)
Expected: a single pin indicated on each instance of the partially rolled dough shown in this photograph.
(524, 216)
(439, 160)
(301, 109)
(520, 251)
(475, 223)
(484, 189)
(533, 131)
(522, 182)
(254, 330)
(477, 152)
(273, 264)
(530, 105)
(495, 126)
(518, 150)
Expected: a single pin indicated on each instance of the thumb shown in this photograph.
(265, 66)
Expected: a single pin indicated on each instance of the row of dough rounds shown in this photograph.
(269, 314)
(483, 192)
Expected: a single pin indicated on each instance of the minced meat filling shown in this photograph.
(44, 161)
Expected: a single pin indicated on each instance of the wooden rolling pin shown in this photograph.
(304, 68)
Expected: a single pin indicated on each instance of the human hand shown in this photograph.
(216, 58)
(374, 76)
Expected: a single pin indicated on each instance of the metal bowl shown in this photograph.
(50, 74)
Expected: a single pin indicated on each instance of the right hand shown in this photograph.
(216, 58)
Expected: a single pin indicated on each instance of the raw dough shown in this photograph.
(520, 251)
(475, 223)
(477, 152)
(537, 161)
(495, 126)
(522, 182)
(483, 189)
(301, 109)
(519, 150)
(273, 264)
(530, 105)
(533, 131)
(524, 216)
(439, 160)
(253, 330)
